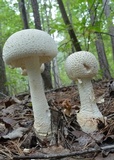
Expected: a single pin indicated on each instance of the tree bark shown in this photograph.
(3, 87)
(46, 75)
(36, 14)
(106, 6)
(23, 14)
(102, 56)
(55, 69)
(67, 22)
(57, 81)
(3, 80)
(99, 45)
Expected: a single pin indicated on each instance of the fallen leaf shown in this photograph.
(66, 104)
(12, 110)
(17, 133)
(8, 120)
(3, 129)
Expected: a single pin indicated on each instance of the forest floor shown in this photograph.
(18, 140)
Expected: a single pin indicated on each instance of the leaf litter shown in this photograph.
(18, 139)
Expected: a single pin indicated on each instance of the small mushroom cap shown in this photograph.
(27, 43)
(80, 65)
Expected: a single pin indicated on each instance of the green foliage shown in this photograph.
(10, 20)
(79, 16)
(15, 81)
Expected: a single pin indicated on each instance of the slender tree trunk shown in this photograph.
(46, 75)
(102, 56)
(36, 14)
(47, 16)
(23, 13)
(3, 80)
(106, 6)
(57, 82)
(99, 45)
(3, 87)
(69, 25)
(55, 69)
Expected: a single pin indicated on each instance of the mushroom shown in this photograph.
(83, 66)
(28, 49)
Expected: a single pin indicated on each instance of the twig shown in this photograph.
(3, 94)
(6, 154)
(103, 8)
(48, 156)
(105, 33)
(16, 146)
(110, 116)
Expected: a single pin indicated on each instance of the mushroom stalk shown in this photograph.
(87, 98)
(89, 114)
(39, 102)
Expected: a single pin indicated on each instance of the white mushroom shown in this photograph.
(42, 67)
(29, 49)
(82, 66)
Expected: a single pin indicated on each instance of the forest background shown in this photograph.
(75, 25)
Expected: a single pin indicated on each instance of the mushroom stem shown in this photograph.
(89, 113)
(39, 102)
(87, 97)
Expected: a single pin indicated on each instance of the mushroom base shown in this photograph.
(90, 124)
(38, 129)
(49, 135)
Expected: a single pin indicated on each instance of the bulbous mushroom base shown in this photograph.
(42, 132)
(89, 123)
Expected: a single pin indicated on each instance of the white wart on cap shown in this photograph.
(83, 66)
(28, 49)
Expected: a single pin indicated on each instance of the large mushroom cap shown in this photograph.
(80, 65)
(27, 43)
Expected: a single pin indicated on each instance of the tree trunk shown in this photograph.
(47, 17)
(3, 86)
(36, 14)
(55, 69)
(106, 6)
(69, 26)
(99, 45)
(23, 13)
(102, 56)
(3, 79)
(57, 82)
(46, 75)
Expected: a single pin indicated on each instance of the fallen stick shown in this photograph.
(48, 156)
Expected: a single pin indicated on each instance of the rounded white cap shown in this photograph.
(28, 43)
(80, 65)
